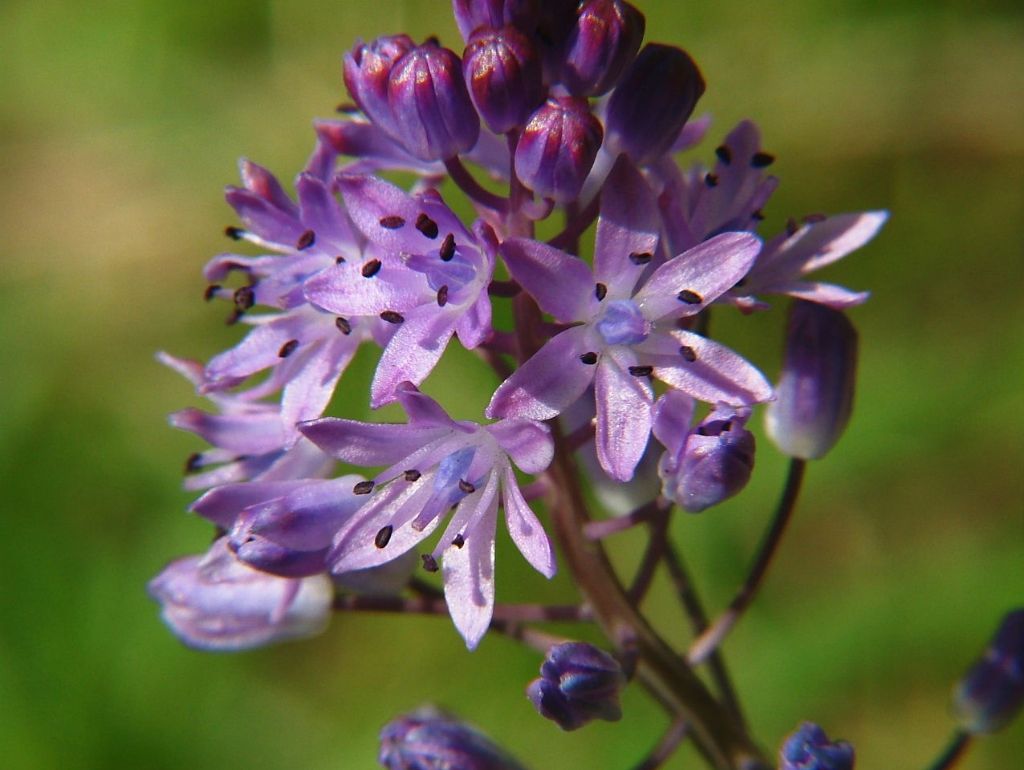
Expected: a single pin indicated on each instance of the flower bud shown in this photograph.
(810, 749)
(215, 602)
(814, 395)
(991, 693)
(578, 683)
(470, 15)
(558, 148)
(652, 102)
(714, 464)
(503, 73)
(367, 69)
(428, 739)
(604, 41)
(433, 116)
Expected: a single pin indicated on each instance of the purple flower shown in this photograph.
(808, 748)
(424, 274)
(428, 739)
(435, 464)
(991, 693)
(578, 683)
(215, 602)
(628, 324)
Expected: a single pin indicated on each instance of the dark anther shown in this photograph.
(791, 226)
(466, 487)
(244, 297)
(429, 562)
(412, 475)
(711, 180)
(234, 233)
(392, 317)
(589, 358)
(339, 260)
(640, 258)
(371, 268)
(600, 291)
(690, 297)
(724, 154)
(811, 219)
(426, 225)
(641, 371)
(194, 462)
(306, 240)
(458, 541)
(757, 216)
(383, 536)
(287, 348)
(363, 488)
(233, 317)
(442, 296)
(347, 108)
(688, 353)
(392, 222)
(761, 159)
(447, 250)
(344, 325)
(727, 425)
(211, 292)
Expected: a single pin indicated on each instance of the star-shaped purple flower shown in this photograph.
(628, 330)
(436, 464)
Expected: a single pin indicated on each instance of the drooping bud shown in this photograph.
(652, 101)
(367, 69)
(991, 693)
(558, 148)
(215, 602)
(814, 396)
(429, 739)
(578, 683)
(433, 116)
(503, 73)
(810, 749)
(714, 461)
(603, 42)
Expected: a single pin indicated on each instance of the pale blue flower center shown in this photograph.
(453, 469)
(623, 323)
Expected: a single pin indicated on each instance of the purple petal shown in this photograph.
(307, 517)
(835, 297)
(322, 214)
(563, 285)
(359, 139)
(249, 433)
(264, 184)
(528, 443)
(412, 353)
(258, 350)
(623, 414)
(310, 388)
(222, 504)
(423, 411)
(629, 225)
(692, 133)
(351, 289)
(821, 243)
(704, 272)
(474, 325)
(368, 444)
(264, 218)
(549, 381)
(672, 414)
(371, 201)
(526, 531)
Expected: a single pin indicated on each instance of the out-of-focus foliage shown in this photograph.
(119, 125)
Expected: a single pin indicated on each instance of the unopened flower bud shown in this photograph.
(428, 739)
(604, 41)
(557, 148)
(503, 73)
(578, 683)
(471, 15)
(652, 101)
(991, 693)
(367, 69)
(215, 602)
(814, 396)
(810, 749)
(433, 115)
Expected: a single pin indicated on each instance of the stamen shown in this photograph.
(447, 250)
(466, 487)
(244, 298)
(339, 260)
(344, 325)
(211, 291)
(371, 268)
(194, 462)
(724, 154)
(757, 216)
(442, 296)
(791, 226)
(306, 240)
(363, 488)
(412, 475)
(711, 180)
(688, 353)
(589, 358)
(383, 536)
(347, 108)
(762, 159)
(458, 541)
(600, 291)
(690, 297)
(392, 222)
(640, 257)
(429, 562)
(641, 371)
(426, 225)
(811, 219)
(392, 317)
(287, 348)
(234, 233)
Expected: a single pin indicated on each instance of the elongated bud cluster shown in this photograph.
(367, 69)
(578, 683)
(503, 73)
(809, 748)
(603, 42)
(558, 148)
(428, 739)
(814, 396)
(991, 693)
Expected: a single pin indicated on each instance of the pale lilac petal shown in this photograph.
(623, 414)
(835, 237)
(526, 531)
(691, 134)
(423, 411)
(528, 443)
(186, 367)
(370, 201)
(412, 353)
(673, 413)
(307, 516)
(707, 271)
(563, 285)
(249, 433)
(716, 373)
(324, 216)
(264, 218)
(259, 180)
(368, 444)
(474, 325)
(222, 504)
(258, 350)
(346, 290)
(222, 265)
(629, 225)
(835, 297)
(549, 381)
(375, 150)
(309, 390)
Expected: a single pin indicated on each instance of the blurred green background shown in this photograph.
(120, 122)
